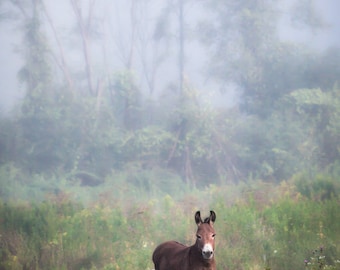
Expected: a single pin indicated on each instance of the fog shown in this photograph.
(159, 94)
(319, 39)
(127, 29)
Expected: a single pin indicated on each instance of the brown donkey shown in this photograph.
(200, 256)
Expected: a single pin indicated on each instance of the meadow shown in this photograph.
(291, 225)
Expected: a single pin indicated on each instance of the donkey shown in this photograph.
(200, 256)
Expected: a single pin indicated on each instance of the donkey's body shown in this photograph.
(200, 256)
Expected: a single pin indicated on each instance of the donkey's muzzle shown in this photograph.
(207, 252)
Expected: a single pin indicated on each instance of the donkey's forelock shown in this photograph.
(206, 220)
(210, 220)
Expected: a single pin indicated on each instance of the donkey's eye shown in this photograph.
(198, 236)
(213, 236)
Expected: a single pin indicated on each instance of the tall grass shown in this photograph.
(259, 226)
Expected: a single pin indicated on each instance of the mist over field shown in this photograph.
(120, 117)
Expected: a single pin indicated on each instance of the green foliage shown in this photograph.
(125, 98)
(320, 187)
(291, 122)
(317, 110)
(247, 49)
(319, 261)
(70, 137)
(7, 139)
(254, 231)
(148, 145)
(36, 72)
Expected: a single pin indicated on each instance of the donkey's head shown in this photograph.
(205, 234)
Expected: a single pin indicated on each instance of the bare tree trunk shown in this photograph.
(18, 4)
(84, 32)
(133, 34)
(181, 46)
(99, 92)
(174, 147)
(189, 176)
(61, 64)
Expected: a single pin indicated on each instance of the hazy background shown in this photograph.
(113, 25)
(95, 91)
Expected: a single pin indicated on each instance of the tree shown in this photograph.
(319, 111)
(36, 72)
(37, 129)
(247, 50)
(84, 29)
(62, 63)
(125, 100)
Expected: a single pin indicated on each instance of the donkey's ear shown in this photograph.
(212, 217)
(198, 219)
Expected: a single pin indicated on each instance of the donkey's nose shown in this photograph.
(207, 252)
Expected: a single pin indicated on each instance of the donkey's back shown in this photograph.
(171, 255)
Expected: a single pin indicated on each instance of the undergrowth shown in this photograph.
(259, 226)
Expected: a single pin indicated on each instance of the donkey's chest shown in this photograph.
(202, 265)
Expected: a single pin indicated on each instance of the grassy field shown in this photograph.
(259, 226)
